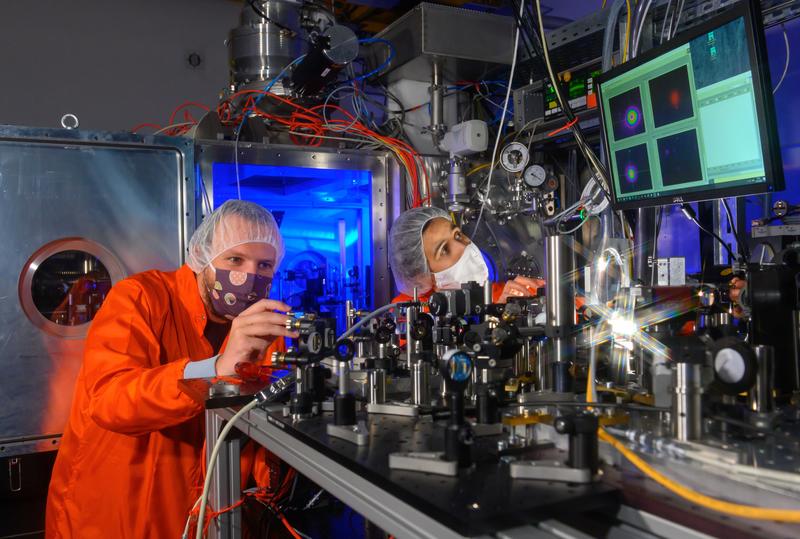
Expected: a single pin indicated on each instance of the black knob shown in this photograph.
(437, 304)
(500, 333)
(344, 409)
(582, 432)
(419, 330)
(345, 350)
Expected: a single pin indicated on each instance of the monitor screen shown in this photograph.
(690, 120)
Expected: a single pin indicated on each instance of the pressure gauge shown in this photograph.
(534, 176)
(514, 157)
(734, 365)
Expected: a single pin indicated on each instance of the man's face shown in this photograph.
(255, 257)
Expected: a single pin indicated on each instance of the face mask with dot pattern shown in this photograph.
(234, 291)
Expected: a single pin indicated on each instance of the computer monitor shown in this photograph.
(693, 119)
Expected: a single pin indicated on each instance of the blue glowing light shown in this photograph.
(314, 202)
(226, 171)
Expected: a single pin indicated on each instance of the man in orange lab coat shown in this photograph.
(129, 465)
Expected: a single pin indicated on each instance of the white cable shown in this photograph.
(666, 16)
(264, 92)
(236, 162)
(678, 19)
(189, 520)
(325, 107)
(327, 137)
(786, 65)
(212, 463)
(167, 128)
(533, 132)
(749, 471)
(637, 36)
(485, 97)
(502, 116)
(588, 153)
(566, 212)
(364, 320)
(577, 227)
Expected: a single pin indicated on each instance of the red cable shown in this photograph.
(215, 514)
(183, 106)
(312, 124)
(563, 127)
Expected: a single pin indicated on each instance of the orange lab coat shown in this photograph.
(129, 465)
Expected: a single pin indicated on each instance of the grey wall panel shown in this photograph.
(125, 203)
(113, 64)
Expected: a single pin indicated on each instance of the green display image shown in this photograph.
(686, 120)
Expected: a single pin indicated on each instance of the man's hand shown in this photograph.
(735, 294)
(252, 332)
(520, 287)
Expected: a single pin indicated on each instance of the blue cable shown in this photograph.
(381, 67)
(244, 118)
(502, 83)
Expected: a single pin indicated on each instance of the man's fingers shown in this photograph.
(735, 294)
(275, 305)
(265, 305)
(278, 331)
(267, 330)
(262, 318)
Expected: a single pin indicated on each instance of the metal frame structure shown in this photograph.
(377, 505)
(387, 185)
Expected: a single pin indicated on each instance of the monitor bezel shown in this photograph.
(765, 109)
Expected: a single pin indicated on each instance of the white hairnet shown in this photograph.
(234, 223)
(406, 255)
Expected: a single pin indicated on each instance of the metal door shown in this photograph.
(78, 212)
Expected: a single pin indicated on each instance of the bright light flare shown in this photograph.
(606, 331)
(622, 326)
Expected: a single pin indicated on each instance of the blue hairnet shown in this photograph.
(406, 255)
(234, 223)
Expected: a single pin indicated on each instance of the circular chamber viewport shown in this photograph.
(64, 284)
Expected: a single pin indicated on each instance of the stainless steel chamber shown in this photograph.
(334, 207)
(79, 211)
(259, 49)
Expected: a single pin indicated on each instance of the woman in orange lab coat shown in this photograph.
(428, 251)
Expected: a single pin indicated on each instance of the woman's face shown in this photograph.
(443, 243)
